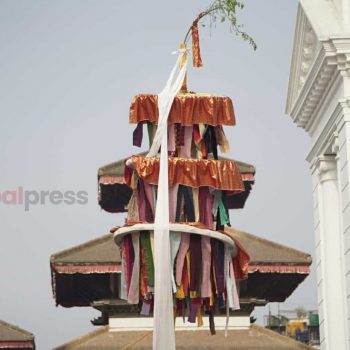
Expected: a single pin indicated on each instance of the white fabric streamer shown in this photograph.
(123, 288)
(163, 318)
(176, 227)
(175, 239)
(232, 301)
(133, 296)
(165, 101)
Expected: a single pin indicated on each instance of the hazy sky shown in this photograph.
(68, 71)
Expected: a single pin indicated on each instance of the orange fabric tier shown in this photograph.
(219, 174)
(187, 109)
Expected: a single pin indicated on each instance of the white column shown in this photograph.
(332, 300)
(345, 13)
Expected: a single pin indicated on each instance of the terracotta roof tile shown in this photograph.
(264, 251)
(102, 250)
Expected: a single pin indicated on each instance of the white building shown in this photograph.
(319, 102)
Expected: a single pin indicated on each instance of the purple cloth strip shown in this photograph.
(205, 207)
(137, 135)
(195, 263)
(218, 254)
(193, 312)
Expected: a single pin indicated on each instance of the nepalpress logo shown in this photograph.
(29, 198)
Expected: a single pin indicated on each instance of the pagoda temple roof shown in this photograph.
(255, 337)
(81, 274)
(265, 252)
(114, 193)
(13, 337)
(102, 250)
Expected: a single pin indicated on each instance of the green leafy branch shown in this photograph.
(225, 11)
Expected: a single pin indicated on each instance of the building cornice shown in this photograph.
(332, 59)
(317, 82)
(305, 49)
(323, 143)
(319, 56)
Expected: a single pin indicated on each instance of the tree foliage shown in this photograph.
(225, 11)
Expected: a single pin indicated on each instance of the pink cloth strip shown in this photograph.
(206, 261)
(185, 150)
(184, 246)
(171, 138)
(149, 194)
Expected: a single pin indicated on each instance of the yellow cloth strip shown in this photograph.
(199, 316)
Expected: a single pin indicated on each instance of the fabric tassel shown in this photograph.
(199, 316)
(227, 318)
(133, 295)
(171, 138)
(193, 312)
(241, 262)
(151, 130)
(185, 149)
(133, 208)
(180, 292)
(123, 282)
(128, 262)
(235, 297)
(175, 239)
(196, 52)
(181, 256)
(146, 308)
(222, 139)
(148, 256)
(223, 212)
(138, 135)
(143, 272)
(195, 263)
(184, 309)
(211, 322)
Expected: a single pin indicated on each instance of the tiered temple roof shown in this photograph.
(114, 193)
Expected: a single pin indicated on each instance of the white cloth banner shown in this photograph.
(232, 301)
(163, 315)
